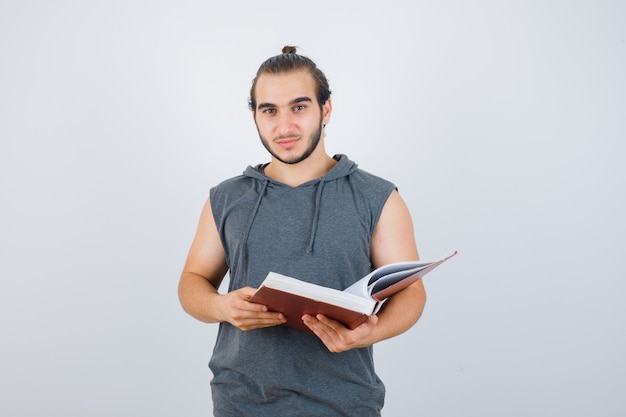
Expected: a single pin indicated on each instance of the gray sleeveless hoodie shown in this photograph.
(319, 232)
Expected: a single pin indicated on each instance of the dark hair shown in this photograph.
(289, 61)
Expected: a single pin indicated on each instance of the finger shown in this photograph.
(247, 292)
(256, 322)
(256, 316)
(333, 324)
(326, 330)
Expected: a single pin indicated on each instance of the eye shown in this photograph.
(269, 111)
(299, 107)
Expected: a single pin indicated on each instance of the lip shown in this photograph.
(287, 143)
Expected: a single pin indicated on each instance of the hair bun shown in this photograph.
(289, 49)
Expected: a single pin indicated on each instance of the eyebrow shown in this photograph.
(303, 99)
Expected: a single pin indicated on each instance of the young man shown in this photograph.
(304, 214)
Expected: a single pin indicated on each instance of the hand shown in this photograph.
(241, 313)
(339, 338)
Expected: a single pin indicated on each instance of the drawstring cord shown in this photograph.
(244, 253)
(318, 199)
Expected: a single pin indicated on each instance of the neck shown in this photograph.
(315, 166)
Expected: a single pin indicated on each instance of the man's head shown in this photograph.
(290, 103)
(290, 61)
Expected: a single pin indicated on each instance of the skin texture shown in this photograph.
(290, 124)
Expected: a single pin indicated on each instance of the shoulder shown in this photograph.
(233, 185)
(359, 176)
(245, 180)
(229, 183)
(369, 178)
(372, 187)
(239, 191)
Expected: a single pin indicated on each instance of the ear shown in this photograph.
(327, 109)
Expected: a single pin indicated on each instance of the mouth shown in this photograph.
(287, 142)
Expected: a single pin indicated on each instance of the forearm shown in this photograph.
(199, 298)
(400, 312)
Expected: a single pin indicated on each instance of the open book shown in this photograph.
(352, 306)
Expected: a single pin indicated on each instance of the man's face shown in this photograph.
(288, 117)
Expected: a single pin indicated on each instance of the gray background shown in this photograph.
(502, 123)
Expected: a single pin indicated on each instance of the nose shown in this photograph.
(285, 124)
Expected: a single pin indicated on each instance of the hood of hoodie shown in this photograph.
(343, 167)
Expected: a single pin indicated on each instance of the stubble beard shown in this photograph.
(314, 139)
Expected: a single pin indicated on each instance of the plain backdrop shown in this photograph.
(503, 123)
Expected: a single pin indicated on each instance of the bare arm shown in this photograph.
(202, 275)
(393, 241)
